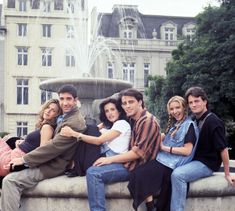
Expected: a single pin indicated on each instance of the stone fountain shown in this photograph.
(89, 89)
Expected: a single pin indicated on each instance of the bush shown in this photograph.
(2, 134)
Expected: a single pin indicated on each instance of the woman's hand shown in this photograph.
(18, 142)
(67, 131)
(103, 161)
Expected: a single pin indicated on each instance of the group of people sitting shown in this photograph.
(127, 146)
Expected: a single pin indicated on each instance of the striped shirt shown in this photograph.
(145, 139)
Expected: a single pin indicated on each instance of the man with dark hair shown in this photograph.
(144, 145)
(210, 153)
(46, 161)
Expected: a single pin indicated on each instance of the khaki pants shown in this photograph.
(14, 184)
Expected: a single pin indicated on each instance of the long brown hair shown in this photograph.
(52, 122)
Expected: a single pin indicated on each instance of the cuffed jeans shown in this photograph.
(97, 177)
(179, 179)
(14, 184)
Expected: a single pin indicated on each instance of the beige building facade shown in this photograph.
(140, 45)
(39, 44)
(46, 39)
(2, 87)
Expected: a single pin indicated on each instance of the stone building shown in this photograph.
(2, 36)
(141, 44)
(38, 46)
(46, 39)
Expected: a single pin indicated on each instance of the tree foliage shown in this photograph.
(208, 60)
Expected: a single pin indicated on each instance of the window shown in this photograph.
(35, 4)
(22, 128)
(58, 5)
(10, 3)
(22, 56)
(189, 30)
(22, 86)
(169, 33)
(22, 5)
(70, 59)
(46, 56)
(127, 34)
(129, 72)
(190, 33)
(45, 96)
(70, 31)
(128, 28)
(146, 74)
(22, 29)
(46, 6)
(70, 8)
(110, 70)
(46, 30)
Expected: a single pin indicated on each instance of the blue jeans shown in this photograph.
(97, 177)
(179, 179)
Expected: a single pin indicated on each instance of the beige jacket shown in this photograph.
(54, 158)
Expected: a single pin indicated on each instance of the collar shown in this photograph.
(202, 117)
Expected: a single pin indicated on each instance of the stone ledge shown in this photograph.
(70, 194)
(63, 186)
(213, 186)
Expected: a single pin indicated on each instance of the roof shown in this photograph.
(146, 23)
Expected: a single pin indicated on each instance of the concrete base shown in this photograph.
(70, 194)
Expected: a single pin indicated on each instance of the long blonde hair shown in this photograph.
(52, 122)
(183, 104)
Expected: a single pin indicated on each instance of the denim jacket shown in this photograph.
(172, 160)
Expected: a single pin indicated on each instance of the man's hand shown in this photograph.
(16, 162)
(103, 161)
(230, 179)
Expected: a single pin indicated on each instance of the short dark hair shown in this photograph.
(196, 91)
(103, 117)
(132, 93)
(68, 88)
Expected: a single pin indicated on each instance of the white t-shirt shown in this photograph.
(121, 143)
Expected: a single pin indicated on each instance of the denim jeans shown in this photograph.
(97, 177)
(179, 179)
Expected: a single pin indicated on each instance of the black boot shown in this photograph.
(150, 206)
(71, 173)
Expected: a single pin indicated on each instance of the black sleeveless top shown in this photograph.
(31, 142)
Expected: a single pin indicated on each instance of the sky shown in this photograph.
(156, 7)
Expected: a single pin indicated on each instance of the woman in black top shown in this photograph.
(14, 147)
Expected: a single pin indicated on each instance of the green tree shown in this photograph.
(208, 60)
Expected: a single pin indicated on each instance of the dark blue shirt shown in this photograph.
(211, 141)
(31, 142)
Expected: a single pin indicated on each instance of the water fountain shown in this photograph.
(89, 89)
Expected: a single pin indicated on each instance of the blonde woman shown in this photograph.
(177, 148)
(12, 148)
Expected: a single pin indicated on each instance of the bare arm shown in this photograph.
(108, 136)
(46, 133)
(121, 158)
(185, 150)
(225, 158)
